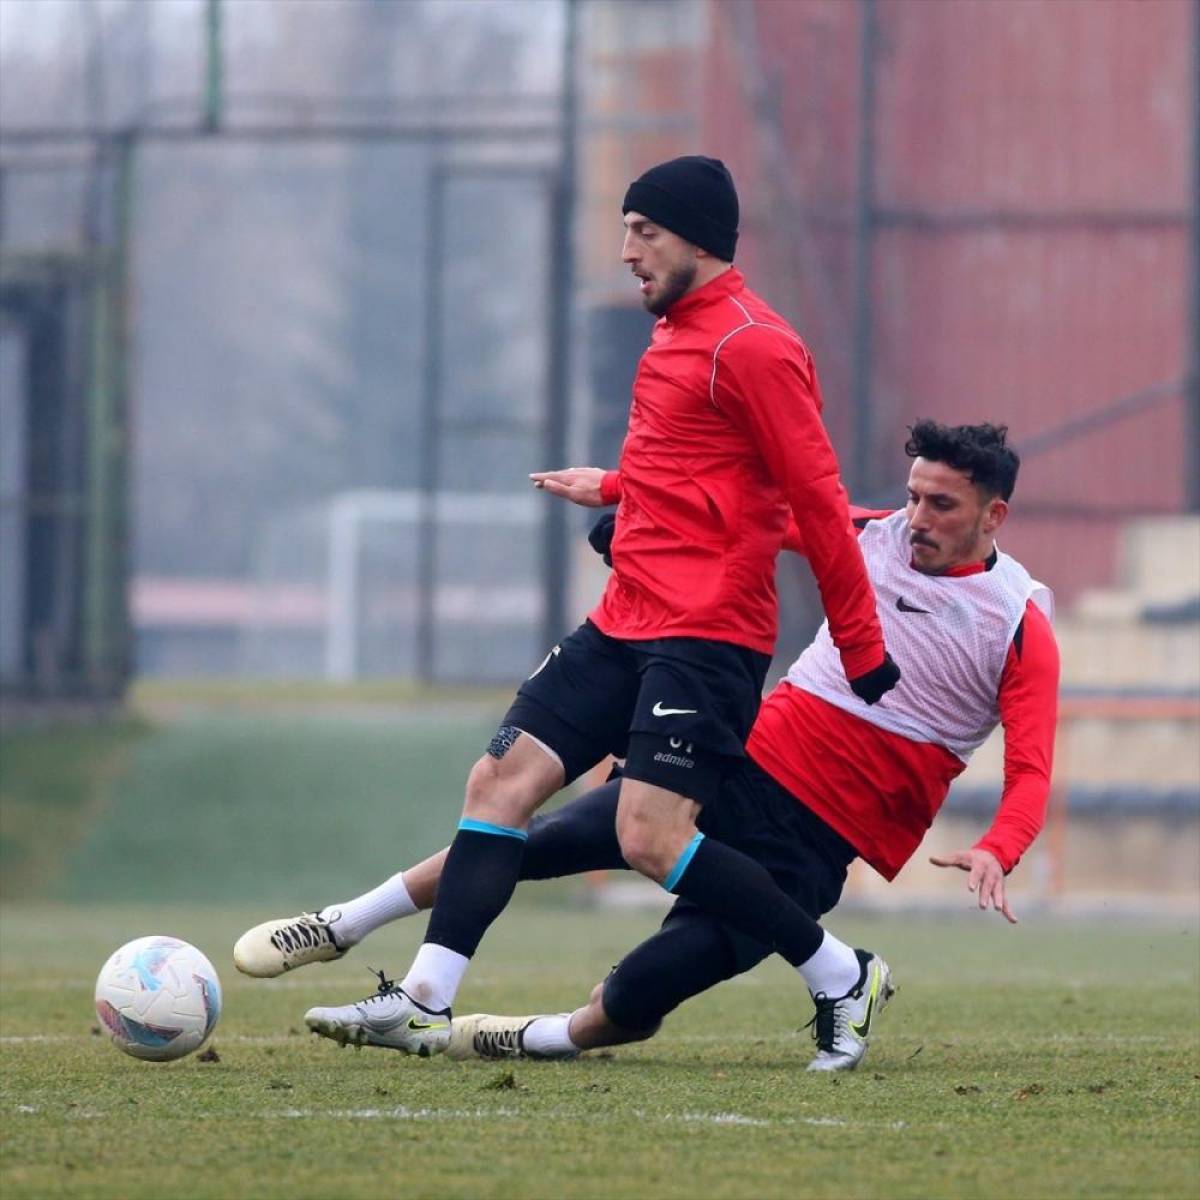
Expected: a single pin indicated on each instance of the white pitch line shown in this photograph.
(72, 1114)
(730, 1118)
(12, 982)
(399, 1113)
(18, 1039)
(404, 1113)
(251, 1039)
(733, 1118)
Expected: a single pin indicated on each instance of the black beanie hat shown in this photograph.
(693, 197)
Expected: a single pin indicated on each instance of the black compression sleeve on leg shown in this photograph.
(734, 888)
(580, 836)
(684, 958)
(477, 883)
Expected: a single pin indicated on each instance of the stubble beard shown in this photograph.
(675, 286)
(963, 553)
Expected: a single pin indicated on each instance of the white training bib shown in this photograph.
(949, 636)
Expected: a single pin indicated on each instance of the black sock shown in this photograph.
(684, 958)
(741, 892)
(477, 882)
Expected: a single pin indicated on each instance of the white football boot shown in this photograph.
(390, 1018)
(481, 1035)
(842, 1027)
(282, 945)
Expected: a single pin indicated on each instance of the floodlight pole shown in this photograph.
(429, 469)
(861, 475)
(560, 320)
(1192, 420)
(213, 68)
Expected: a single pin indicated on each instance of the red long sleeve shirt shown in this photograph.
(725, 438)
(881, 791)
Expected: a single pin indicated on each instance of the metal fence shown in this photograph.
(336, 262)
(326, 293)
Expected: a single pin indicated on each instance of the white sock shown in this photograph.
(834, 969)
(550, 1036)
(434, 977)
(352, 921)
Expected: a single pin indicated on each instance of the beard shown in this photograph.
(963, 551)
(675, 286)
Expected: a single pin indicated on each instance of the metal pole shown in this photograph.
(213, 68)
(97, 539)
(101, 437)
(108, 640)
(861, 475)
(560, 329)
(1192, 466)
(429, 478)
(122, 653)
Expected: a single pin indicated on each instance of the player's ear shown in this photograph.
(994, 514)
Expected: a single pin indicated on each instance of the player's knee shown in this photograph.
(643, 846)
(631, 1011)
(483, 780)
(494, 794)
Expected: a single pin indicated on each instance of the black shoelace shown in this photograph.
(498, 1043)
(306, 934)
(824, 1022)
(387, 987)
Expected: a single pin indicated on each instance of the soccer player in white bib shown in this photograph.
(828, 779)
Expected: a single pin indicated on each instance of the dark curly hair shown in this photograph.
(979, 450)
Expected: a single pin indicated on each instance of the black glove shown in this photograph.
(601, 537)
(870, 687)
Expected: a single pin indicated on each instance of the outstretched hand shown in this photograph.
(580, 485)
(986, 877)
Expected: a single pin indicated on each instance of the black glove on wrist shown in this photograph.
(870, 687)
(601, 536)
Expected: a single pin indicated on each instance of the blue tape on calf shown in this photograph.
(681, 863)
(473, 826)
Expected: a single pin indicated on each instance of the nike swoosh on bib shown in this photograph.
(659, 711)
(903, 607)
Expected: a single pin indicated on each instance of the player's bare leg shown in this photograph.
(285, 943)
(576, 838)
(481, 869)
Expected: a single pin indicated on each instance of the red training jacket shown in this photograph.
(725, 437)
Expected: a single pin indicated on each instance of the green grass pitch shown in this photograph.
(1053, 1059)
(1045, 1061)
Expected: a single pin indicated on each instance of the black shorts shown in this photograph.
(678, 710)
(765, 821)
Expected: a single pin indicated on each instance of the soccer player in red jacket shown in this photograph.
(725, 442)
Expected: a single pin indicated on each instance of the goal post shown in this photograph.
(426, 572)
